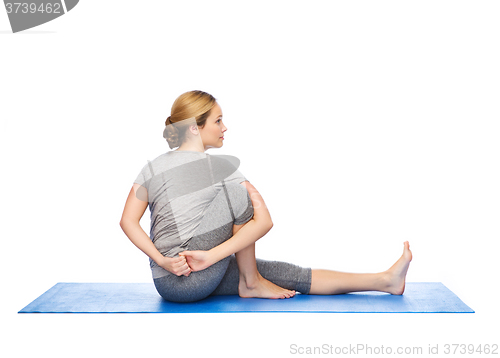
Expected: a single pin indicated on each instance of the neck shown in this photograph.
(195, 147)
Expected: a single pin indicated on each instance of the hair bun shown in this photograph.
(171, 134)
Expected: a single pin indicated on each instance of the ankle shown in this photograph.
(386, 278)
(250, 280)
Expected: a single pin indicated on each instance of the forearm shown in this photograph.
(140, 239)
(248, 234)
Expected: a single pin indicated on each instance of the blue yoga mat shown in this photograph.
(423, 297)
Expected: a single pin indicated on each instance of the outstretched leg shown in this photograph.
(326, 282)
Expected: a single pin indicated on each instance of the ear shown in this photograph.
(194, 129)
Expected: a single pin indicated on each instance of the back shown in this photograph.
(180, 186)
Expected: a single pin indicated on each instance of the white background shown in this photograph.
(362, 124)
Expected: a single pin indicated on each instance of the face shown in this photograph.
(212, 134)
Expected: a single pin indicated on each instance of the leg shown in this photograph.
(251, 282)
(282, 274)
(326, 282)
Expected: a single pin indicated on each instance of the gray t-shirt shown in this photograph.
(180, 186)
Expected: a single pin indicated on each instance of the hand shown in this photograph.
(197, 260)
(176, 265)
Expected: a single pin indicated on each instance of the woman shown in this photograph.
(206, 217)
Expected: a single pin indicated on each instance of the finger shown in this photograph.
(183, 271)
(183, 268)
(178, 263)
(181, 265)
(180, 260)
(186, 271)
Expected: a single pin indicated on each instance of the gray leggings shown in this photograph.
(232, 205)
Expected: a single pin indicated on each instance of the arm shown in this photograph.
(132, 214)
(248, 234)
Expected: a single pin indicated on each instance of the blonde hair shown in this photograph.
(193, 105)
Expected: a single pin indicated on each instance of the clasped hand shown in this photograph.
(187, 262)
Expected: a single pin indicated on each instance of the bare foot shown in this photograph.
(396, 275)
(262, 288)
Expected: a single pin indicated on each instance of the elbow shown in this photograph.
(127, 221)
(269, 225)
(265, 222)
(263, 225)
(123, 222)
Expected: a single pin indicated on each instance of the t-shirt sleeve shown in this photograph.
(144, 176)
(143, 179)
